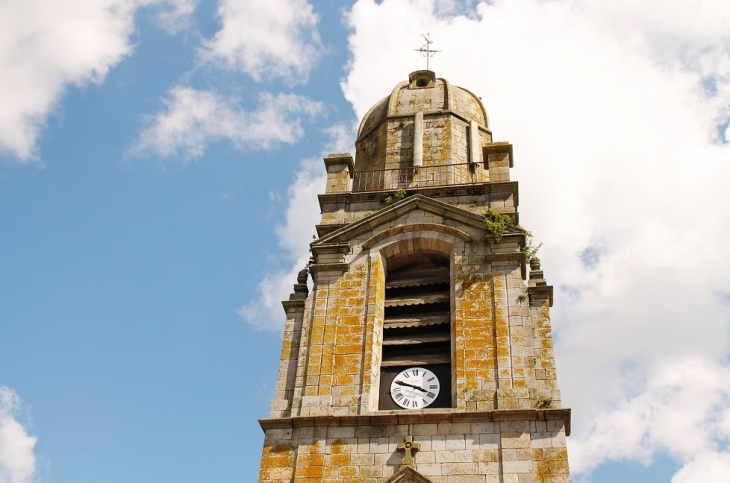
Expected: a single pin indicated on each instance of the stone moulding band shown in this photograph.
(329, 267)
(421, 417)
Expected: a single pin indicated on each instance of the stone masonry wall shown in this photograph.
(468, 452)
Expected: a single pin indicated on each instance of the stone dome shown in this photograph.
(424, 121)
(424, 92)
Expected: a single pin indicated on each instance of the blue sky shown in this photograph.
(159, 165)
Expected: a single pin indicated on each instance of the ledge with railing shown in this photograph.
(418, 177)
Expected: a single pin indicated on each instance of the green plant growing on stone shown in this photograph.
(368, 213)
(496, 223)
(530, 250)
(544, 402)
(398, 195)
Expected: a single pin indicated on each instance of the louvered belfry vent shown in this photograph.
(417, 324)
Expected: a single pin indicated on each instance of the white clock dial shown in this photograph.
(415, 388)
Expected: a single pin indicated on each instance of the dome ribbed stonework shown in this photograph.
(438, 113)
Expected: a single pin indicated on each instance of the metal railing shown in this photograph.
(418, 177)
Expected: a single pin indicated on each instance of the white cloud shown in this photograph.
(302, 213)
(17, 461)
(266, 38)
(614, 110)
(176, 15)
(682, 411)
(47, 46)
(706, 467)
(192, 118)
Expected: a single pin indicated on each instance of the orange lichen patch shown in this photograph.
(486, 375)
(338, 459)
(329, 339)
(321, 301)
(310, 391)
(330, 473)
(478, 364)
(549, 464)
(337, 447)
(468, 304)
(275, 461)
(313, 459)
(344, 380)
(350, 338)
(350, 320)
(307, 472)
(348, 349)
(348, 471)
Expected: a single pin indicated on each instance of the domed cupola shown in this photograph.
(425, 121)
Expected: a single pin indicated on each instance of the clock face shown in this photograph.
(415, 388)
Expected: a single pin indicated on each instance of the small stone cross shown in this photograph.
(426, 50)
(408, 447)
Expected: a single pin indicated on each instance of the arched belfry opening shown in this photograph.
(417, 326)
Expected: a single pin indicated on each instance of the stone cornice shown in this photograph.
(290, 305)
(432, 192)
(397, 210)
(339, 159)
(542, 291)
(423, 416)
(495, 148)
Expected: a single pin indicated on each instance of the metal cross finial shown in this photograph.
(426, 50)
(408, 447)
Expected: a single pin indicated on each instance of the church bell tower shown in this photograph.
(421, 353)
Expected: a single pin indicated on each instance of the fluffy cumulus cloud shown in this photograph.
(47, 46)
(266, 39)
(175, 15)
(301, 214)
(704, 468)
(17, 460)
(617, 111)
(192, 118)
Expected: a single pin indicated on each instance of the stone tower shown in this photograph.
(420, 354)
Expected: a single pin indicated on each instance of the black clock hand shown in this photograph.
(410, 385)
